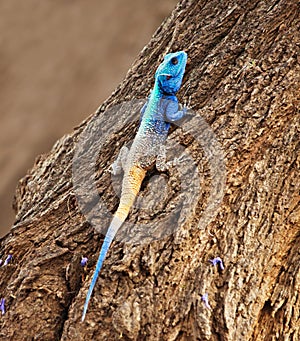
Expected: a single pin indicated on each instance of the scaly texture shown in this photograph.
(160, 109)
(243, 79)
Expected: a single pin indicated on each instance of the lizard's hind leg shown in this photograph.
(161, 160)
(119, 164)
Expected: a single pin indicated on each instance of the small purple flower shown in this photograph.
(83, 261)
(7, 260)
(204, 299)
(217, 261)
(2, 306)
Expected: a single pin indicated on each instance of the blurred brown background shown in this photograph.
(59, 59)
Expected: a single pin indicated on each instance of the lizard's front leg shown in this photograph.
(173, 110)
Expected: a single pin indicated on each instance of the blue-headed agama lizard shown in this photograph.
(148, 146)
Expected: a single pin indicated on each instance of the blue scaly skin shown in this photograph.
(147, 148)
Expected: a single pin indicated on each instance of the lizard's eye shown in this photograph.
(168, 77)
(174, 60)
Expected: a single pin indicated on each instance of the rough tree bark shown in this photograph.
(243, 79)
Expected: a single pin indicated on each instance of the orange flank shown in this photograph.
(130, 188)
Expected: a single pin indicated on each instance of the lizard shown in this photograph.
(148, 147)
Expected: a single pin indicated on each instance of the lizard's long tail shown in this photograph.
(130, 188)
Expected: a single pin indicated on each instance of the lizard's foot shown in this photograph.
(161, 164)
(115, 169)
(117, 166)
(186, 106)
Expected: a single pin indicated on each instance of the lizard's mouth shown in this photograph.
(166, 74)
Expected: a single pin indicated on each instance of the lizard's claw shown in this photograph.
(115, 169)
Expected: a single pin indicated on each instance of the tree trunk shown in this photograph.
(235, 195)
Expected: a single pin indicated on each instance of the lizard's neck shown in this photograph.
(154, 101)
(165, 90)
(157, 91)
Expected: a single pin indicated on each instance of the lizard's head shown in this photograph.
(170, 72)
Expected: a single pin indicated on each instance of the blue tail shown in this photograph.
(111, 232)
(130, 188)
